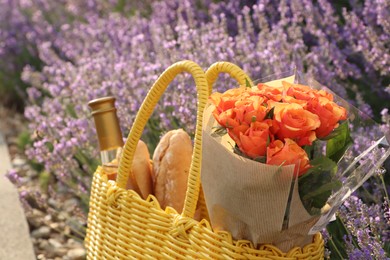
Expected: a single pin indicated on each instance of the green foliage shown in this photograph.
(339, 142)
(247, 83)
(336, 245)
(219, 131)
(387, 247)
(44, 180)
(270, 114)
(24, 139)
(12, 88)
(86, 161)
(130, 8)
(152, 133)
(316, 185)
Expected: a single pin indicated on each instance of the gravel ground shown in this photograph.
(53, 224)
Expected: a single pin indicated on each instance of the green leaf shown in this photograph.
(24, 139)
(50, 146)
(236, 150)
(86, 161)
(120, 6)
(309, 149)
(247, 83)
(320, 164)
(71, 111)
(44, 180)
(387, 247)
(336, 146)
(270, 114)
(336, 244)
(261, 159)
(316, 185)
(219, 131)
(319, 192)
(335, 132)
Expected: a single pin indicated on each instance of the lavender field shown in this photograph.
(55, 56)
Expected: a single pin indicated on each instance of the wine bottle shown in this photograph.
(108, 132)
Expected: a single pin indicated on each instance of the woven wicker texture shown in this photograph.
(121, 225)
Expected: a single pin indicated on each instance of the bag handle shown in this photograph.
(204, 87)
(143, 116)
(226, 67)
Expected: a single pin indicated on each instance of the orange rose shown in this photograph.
(273, 93)
(295, 122)
(226, 100)
(279, 153)
(329, 113)
(224, 104)
(325, 94)
(290, 100)
(298, 91)
(226, 118)
(254, 141)
(242, 111)
(249, 110)
(236, 131)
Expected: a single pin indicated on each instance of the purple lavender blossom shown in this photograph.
(13, 176)
(122, 56)
(367, 226)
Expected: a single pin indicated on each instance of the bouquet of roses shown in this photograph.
(278, 167)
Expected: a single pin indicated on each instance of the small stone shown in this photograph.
(70, 204)
(43, 244)
(74, 243)
(74, 223)
(24, 180)
(67, 230)
(76, 254)
(71, 241)
(18, 162)
(54, 243)
(47, 218)
(42, 232)
(37, 213)
(54, 225)
(60, 252)
(62, 216)
(12, 140)
(41, 257)
(13, 149)
(52, 202)
(35, 219)
(62, 189)
(58, 237)
(61, 225)
(32, 173)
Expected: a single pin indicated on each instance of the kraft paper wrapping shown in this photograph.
(248, 198)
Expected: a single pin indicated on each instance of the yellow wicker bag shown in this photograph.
(121, 225)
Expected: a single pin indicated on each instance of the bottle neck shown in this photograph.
(110, 156)
(107, 128)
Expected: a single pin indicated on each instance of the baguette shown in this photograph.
(142, 171)
(171, 164)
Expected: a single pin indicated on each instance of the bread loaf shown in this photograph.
(142, 171)
(171, 164)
